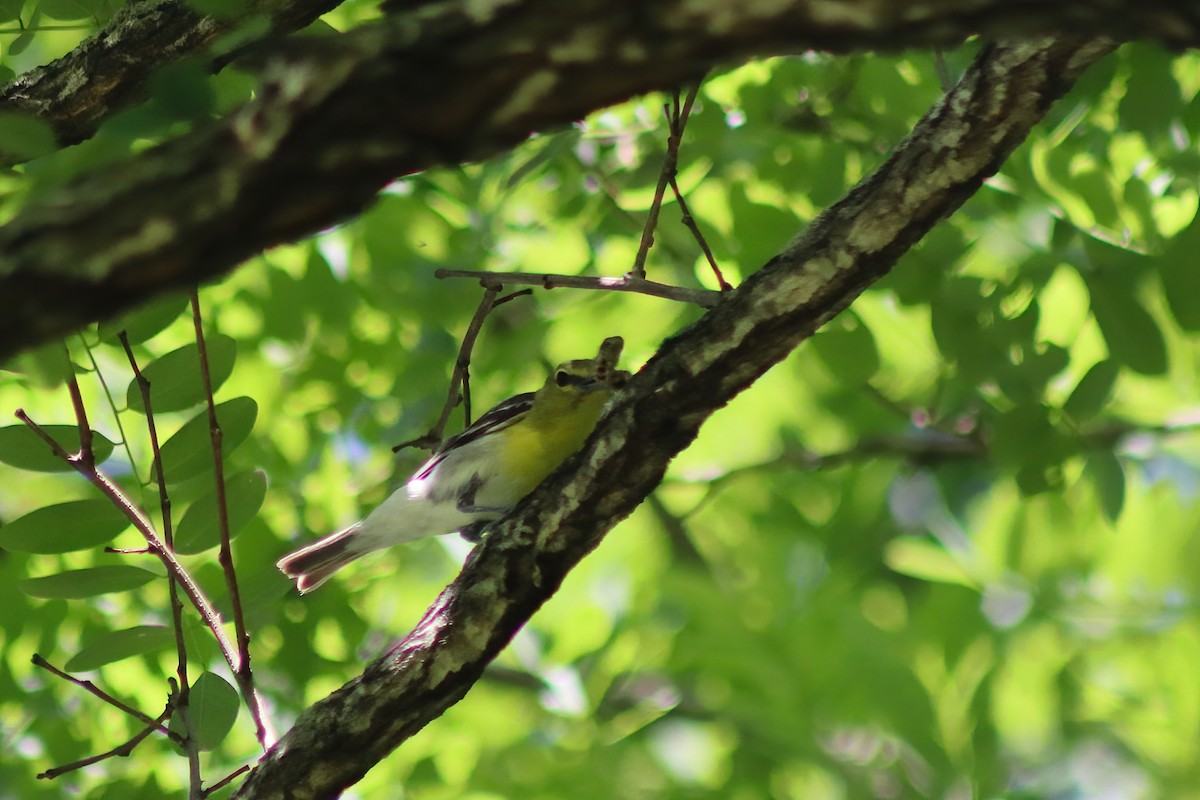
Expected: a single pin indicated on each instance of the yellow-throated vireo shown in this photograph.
(478, 475)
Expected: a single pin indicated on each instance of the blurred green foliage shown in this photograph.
(948, 548)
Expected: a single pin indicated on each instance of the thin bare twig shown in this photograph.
(108, 396)
(677, 118)
(179, 697)
(92, 688)
(221, 784)
(460, 379)
(121, 750)
(86, 457)
(705, 298)
(242, 672)
(690, 223)
(164, 503)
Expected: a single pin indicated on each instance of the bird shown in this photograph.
(478, 475)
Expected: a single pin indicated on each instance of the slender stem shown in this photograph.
(108, 395)
(243, 672)
(164, 504)
(221, 784)
(92, 688)
(121, 750)
(460, 389)
(705, 298)
(670, 163)
(86, 456)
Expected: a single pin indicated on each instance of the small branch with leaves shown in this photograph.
(180, 582)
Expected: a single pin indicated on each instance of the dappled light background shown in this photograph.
(946, 549)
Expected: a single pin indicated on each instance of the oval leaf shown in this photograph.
(1108, 476)
(189, 450)
(1092, 392)
(21, 447)
(47, 366)
(199, 529)
(1180, 278)
(143, 324)
(62, 528)
(212, 710)
(848, 349)
(926, 560)
(175, 382)
(1131, 333)
(121, 644)
(76, 583)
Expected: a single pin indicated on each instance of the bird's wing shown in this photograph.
(499, 417)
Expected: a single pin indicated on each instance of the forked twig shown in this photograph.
(676, 120)
(460, 378)
(122, 750)
(92, 688)
(221, 784)
(690, 223)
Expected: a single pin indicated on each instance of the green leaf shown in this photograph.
(76, 583)
(21, 447)
(848, 349)
(926, 560)
(189, 450)
(1151, 102)
(182, 89)
(77, 525)
(1092, 392)
(212, 709)
(175, 382)
(10, 10)
(1021, 436)
(119, 645)
(47, 366)
(65, 10)
(146, 322)
(1180, 278)
(200, 529)
(20, 44)
(25, 135)
(1104, 470)
(1132, 335)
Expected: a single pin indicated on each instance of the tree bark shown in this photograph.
(109, 70)
(958, 144)
(340, 116)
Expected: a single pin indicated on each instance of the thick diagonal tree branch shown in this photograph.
(437, 82)
(958, 144)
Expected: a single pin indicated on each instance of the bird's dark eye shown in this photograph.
(562, 378)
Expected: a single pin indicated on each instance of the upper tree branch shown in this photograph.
(340, 116)
(958, 144)
(108, 71)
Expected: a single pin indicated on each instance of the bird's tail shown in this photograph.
(313, 564)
